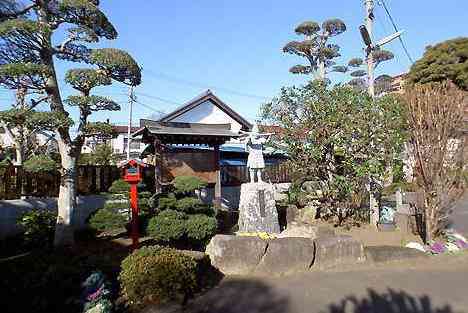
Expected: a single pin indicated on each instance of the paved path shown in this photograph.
(436, 285)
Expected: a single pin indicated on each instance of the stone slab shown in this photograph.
(287, 255)
(380, 254)
(335, 251)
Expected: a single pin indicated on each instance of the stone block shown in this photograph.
(334, 251)
(236, 255)
(379, 254)
(286, 256)
(257, 208)
(300, 230)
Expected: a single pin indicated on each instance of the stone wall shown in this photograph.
(239, 255)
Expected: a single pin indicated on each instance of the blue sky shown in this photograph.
(234, 47)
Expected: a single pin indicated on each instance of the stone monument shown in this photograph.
(257, 207)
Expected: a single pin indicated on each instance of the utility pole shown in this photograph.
(369, 20)
(370, 55)
(131, 99)
(371, 46)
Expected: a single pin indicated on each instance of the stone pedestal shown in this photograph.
(257, 208)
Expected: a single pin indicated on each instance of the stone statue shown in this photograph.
(257, 205)
(254, 146)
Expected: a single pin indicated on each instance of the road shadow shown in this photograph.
(388, 302)
(238, 295)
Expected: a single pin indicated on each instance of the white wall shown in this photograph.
(119, 146)
(208, 113)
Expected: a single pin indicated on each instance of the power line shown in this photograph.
(158, 98)
(181, 81)
(396, 30)
(150, 108)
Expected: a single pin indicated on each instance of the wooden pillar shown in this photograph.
(158, 160)
(217, 191)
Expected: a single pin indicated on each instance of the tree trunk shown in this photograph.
(19, 155)
(322, 72)
(67, 205)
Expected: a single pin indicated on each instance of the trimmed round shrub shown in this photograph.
(107, 220)
(188, 184)
(119, 186)
(200, 227)
(169, 225)
(189, 205)
(167, 203)
(157, 275)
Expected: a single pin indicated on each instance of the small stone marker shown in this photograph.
(257, 208)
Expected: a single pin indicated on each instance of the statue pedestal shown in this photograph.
(257, 208)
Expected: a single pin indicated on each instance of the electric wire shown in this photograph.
(384, 5)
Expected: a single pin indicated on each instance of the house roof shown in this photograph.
(185, 133)
(207, 96)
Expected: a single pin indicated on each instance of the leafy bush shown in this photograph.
(188, 184)
(107, 220)
(40, 163)
(119, 186)
(158, 275)
(167, 203)
(169, 225)
(39, 228)
(200, 228)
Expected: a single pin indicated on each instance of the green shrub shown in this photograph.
(117, 205)
(167, 203)
(188, 184)
(40, 163)
(200, 228)
(157, 275)
(107, 220)
(169, 225)
(189, 205)
(39, 228)
(120, 186)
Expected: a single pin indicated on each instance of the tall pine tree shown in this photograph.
(29, 55)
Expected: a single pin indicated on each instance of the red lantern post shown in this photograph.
(132, 175)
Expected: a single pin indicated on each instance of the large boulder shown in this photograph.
(236, 255)
(287, 255)
(333, 251)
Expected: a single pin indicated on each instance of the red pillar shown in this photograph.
(134, 206)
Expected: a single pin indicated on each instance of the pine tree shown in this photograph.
(28, 59)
